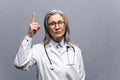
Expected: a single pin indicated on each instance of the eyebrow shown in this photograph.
(57, 21)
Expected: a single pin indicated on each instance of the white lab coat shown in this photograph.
(66, 65)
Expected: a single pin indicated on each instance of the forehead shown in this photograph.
(55, 17)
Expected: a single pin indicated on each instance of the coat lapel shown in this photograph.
(50, 48)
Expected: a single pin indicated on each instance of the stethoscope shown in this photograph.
(68, 48)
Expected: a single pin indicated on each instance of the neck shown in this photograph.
(58, 40)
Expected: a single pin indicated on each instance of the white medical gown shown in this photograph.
(67, 65)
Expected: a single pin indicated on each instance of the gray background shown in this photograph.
(95, 28)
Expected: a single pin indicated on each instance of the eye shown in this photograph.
(52, 23)
(60, 22)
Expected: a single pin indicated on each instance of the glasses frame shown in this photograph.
(59, 23)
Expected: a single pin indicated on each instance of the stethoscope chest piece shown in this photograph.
(52, 67)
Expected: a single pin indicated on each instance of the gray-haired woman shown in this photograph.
(56, 57)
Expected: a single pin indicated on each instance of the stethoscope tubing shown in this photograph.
(67, 47)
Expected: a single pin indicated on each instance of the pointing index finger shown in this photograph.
(33, 18)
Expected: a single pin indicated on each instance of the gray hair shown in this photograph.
(47, 34)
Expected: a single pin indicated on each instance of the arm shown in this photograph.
(81, 65)
(24, 57)
(82, 69)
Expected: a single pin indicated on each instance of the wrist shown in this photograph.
(29, 39)
(30, 34)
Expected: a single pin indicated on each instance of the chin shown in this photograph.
(58, 36)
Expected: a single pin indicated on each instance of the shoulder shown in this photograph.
(38, 49)
(76, 47)
(38, 45)
(78, 51)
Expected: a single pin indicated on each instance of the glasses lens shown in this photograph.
(59, 23)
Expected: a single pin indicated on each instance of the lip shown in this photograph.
(58, 32)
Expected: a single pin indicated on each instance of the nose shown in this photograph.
(57, 26)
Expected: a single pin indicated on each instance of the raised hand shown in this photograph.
(33, 27)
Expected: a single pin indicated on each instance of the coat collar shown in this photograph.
(54, 44)
(51, 46)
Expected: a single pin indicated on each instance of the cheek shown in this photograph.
(63, 30)
(51, 31)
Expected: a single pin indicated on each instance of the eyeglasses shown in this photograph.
(53, 24)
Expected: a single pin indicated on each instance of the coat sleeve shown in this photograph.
(24, 58)
(81, 65)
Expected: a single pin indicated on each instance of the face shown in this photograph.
(56, 27)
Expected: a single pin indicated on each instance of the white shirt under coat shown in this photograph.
(67, 65)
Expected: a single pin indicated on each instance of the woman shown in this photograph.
(56, 57)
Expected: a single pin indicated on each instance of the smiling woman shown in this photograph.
(56, 57)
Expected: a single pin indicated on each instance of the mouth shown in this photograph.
(58, 32)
